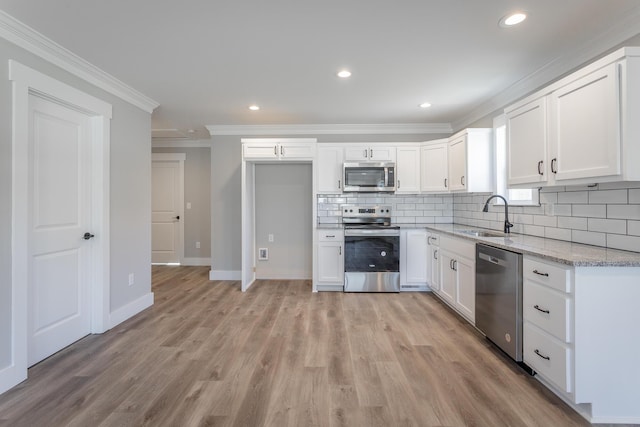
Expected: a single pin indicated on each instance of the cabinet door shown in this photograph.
(296, 150)
(415, 255)
(330, 161)
(434, 268)
(330, 262)
(458, 164)
(381, 153)
(466, 288)
(407, 170)
(434, 170)
(260, 150)
(448, 277)
(585, 130)
(527, 143)
(356, 153)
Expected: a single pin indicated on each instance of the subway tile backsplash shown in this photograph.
(409, 209)
(607, 215)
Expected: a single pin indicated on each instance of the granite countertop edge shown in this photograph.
(559, 251)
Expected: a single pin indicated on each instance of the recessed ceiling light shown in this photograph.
(425, 105)
(254, 108)
(512, 19)
(344, 74)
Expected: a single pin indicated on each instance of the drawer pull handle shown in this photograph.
(541, 274)
(537, 307)
(331, 235)
(536, 351)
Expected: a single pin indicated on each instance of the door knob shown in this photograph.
(177, 217)
(88, 236)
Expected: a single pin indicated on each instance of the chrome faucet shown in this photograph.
(507, 224)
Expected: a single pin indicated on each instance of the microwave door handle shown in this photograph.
(386, 176)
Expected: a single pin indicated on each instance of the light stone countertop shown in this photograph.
(575, 254)
(568, 253)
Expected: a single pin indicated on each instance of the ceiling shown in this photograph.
(206, 61)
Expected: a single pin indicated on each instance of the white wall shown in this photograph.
(130, 197)
(284, 202)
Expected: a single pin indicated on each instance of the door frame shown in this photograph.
(180, 158)
(25, 82)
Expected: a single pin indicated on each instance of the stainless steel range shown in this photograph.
(372, 249)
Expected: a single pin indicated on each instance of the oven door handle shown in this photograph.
(372, 233)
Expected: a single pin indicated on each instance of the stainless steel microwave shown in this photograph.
(370, 177)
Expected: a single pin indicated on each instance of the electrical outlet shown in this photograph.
(131, 279)
(197, 245)
(263, 254)
(271, 238)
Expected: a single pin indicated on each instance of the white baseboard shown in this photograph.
(130, 310)
(282, 275)
(196, 261)
(225, 275)
(11, 376)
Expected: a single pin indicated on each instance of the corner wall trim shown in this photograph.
(196, 261)
(130, 310)
(336, 129)
(32, 41)
(225, 275)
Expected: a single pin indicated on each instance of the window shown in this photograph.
(515, 197)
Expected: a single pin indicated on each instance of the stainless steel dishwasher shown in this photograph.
(499, 298)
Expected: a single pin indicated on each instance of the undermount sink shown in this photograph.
(482, 233)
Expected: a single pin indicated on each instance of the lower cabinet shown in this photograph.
(433, 262)
(458, 275)
(581, 336)
(330, 260)
(413, 255)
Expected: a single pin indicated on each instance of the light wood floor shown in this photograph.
(279, 355)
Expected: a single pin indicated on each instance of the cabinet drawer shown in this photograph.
(549, 310)
(461, 247)
(548, 356)
(553, 275)
(330, 235)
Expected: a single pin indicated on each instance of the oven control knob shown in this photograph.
(383, 253)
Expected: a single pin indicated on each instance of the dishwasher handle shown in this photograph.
(492, 259)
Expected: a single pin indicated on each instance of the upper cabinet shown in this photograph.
(278, 149)
(329, 168)
(434, 174)
(471, 165)
(369, 153)
(407, 169)
(575, 131)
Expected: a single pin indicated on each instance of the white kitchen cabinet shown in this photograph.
(330, 159)
(471, 162)
(458, 275)
(369, 153)
(433, 261)
(330, 259)
(407, 169)
(584, 127)
(527, 143)
(279, 149)
(434, 173)
(413, 260)
(576, 130)
(580, 335)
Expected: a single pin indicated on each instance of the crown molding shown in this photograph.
(32, 41)
(590, 50)
(328, 129)
(180, 143)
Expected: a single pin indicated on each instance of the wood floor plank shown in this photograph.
(207, 354)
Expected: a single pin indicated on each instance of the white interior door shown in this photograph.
(59, 311)
(167, 201)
